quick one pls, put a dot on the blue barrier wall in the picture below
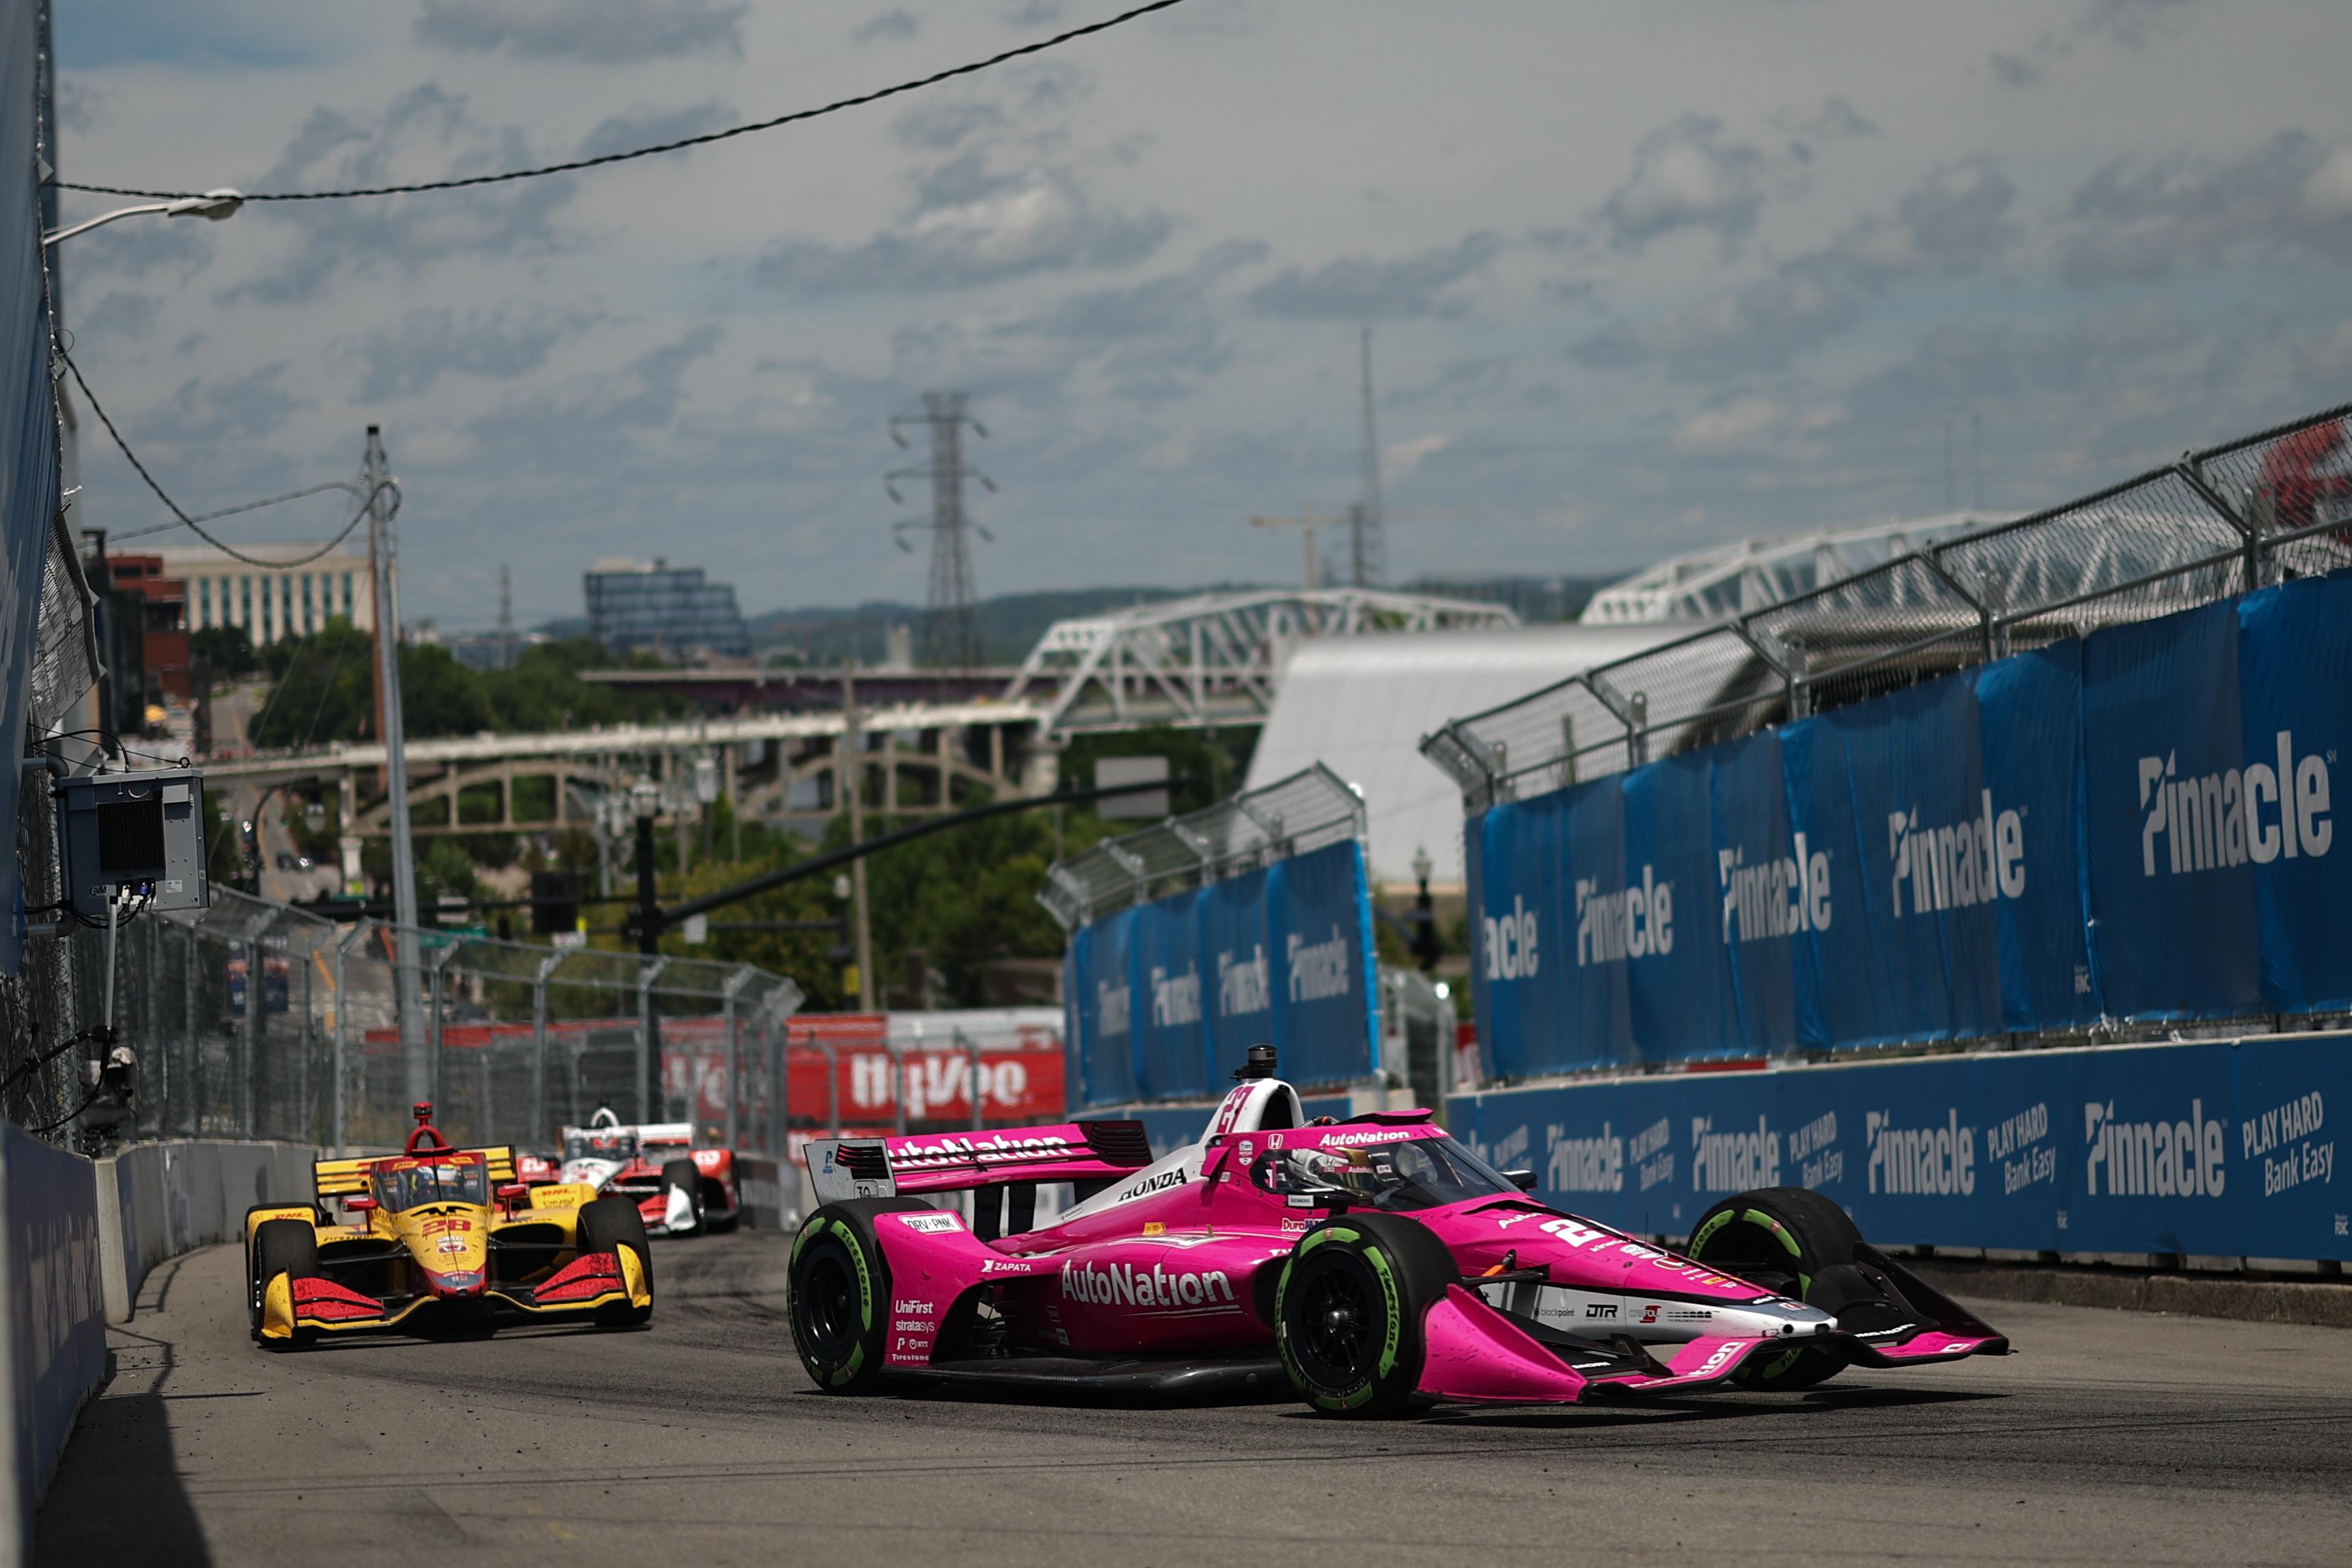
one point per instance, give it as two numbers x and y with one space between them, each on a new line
2222 1149
1163 998
28 416
2141 825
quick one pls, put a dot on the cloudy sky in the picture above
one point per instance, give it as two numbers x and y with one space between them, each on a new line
1641 277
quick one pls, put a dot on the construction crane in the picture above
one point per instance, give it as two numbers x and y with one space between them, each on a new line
1307 523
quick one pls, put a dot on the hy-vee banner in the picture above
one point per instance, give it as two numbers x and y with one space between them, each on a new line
1164 998
2139 825
2222 1149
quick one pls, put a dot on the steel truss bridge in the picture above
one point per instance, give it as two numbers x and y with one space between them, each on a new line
1213 660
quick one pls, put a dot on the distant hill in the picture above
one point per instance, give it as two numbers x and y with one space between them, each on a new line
1011 623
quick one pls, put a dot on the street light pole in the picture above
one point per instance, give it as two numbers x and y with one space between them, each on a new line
375 485
214 204
851 776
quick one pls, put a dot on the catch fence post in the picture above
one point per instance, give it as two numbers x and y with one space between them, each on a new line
972 1084
541 1123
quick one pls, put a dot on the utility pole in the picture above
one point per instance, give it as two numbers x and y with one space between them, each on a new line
506 618
1307 523
951 635
381 559
1365 522
849 774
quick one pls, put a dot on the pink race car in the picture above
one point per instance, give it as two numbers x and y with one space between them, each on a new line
1375 1263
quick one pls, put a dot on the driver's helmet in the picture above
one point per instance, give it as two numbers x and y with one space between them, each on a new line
1351 1170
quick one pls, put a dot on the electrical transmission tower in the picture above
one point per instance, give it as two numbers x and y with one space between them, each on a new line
1364 518
951 630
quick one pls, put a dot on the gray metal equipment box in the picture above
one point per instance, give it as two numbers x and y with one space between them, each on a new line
143 832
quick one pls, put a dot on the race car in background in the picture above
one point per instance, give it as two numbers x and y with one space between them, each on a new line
437 1237
1375 1263
681 1190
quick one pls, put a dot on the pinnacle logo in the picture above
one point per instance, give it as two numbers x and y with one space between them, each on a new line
1585 1165
1175 999
1777 897
2261 813
2167 1159
1124 1285
1936 1161
1241 986
1733 1162
1959 866
1317 969
1112 1009
1509 941
1633 922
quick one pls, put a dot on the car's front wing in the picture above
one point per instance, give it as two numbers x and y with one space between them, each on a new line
1476 1354
316 1304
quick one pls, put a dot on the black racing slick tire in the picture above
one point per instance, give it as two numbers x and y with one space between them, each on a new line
607 1225
1793 1240
680 1175
840 1300
288 1247
1349 1310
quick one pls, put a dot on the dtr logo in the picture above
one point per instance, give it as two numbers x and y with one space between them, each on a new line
1632 923
2168 1159
1968 863
1510 942
2226 819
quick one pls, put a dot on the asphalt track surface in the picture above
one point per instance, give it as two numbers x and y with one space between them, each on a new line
2113 1438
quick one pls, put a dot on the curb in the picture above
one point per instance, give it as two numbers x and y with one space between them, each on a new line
2245 1300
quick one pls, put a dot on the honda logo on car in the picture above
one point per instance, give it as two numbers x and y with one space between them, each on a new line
2259 814
1159 1183
1124 1285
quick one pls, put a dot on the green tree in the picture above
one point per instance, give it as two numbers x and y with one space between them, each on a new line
325 690
230 649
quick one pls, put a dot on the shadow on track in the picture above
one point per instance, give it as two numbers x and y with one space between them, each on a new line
88 1516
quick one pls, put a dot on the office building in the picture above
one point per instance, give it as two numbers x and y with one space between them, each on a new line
671 609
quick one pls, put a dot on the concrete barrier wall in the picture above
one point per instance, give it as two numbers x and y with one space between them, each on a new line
56 1352
157 1200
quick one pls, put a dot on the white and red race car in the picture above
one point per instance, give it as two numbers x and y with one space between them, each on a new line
680 1189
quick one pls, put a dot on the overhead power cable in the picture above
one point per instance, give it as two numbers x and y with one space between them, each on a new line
232 511
1040 46
197 524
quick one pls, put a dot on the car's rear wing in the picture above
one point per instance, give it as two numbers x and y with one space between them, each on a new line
843 1168
349 1178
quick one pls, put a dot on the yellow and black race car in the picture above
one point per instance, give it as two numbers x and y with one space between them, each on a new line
442 1237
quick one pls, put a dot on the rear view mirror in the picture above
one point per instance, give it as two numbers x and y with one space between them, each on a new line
513 1191
359 1205
1524 1180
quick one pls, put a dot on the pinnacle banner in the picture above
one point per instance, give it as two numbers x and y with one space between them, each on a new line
1165 999
2141 825
2220 1148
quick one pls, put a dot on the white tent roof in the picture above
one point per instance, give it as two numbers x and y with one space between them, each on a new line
1361 705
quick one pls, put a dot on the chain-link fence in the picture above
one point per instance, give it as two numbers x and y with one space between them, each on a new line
1293 816
256 1019
2246 515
